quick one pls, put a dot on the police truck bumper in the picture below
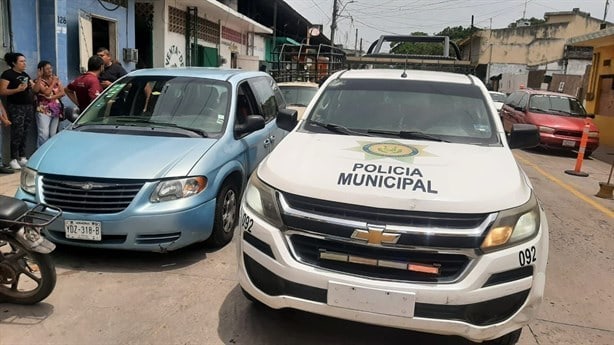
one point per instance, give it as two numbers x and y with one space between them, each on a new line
495 296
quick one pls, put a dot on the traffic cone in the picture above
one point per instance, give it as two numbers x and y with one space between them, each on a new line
577 170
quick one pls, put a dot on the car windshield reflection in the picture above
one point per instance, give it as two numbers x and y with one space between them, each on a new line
198 105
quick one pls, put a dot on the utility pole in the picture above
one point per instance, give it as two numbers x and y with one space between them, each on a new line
333 24
356 43
605 12
524 12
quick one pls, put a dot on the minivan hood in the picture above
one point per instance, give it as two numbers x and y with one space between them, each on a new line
561 122
88 154
396 173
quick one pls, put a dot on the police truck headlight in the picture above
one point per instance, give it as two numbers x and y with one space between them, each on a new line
513 226
28 180
178 188
262 200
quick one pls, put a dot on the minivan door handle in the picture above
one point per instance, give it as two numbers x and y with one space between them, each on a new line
267 142
272 139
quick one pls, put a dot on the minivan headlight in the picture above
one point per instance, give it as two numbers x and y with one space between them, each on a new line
513 226
178 188
262 200
28 180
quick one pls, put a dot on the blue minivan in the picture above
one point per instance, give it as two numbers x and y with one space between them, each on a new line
158 161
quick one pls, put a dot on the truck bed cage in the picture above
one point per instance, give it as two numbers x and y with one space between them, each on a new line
306 62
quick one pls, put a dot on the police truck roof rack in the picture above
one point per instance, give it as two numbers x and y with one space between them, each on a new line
450 59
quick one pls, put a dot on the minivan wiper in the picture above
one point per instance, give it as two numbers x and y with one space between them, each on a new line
168 124
410 135
337 128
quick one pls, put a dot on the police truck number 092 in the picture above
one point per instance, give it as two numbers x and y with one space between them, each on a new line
527 256
246 222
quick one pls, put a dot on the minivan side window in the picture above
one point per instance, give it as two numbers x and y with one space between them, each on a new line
265 97
246 104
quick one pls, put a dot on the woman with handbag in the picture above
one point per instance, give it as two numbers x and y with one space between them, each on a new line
48 103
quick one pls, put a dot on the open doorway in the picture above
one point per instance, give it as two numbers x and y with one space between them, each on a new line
143 30
95 32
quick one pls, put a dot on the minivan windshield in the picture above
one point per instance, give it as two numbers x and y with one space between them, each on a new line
557 105
411 109
198 105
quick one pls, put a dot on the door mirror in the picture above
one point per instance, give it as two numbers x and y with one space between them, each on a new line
523 136
252 123
592 116
287 119
71 113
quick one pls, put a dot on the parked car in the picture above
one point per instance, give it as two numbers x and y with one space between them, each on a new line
394 213
560 118
298 94
498 98
158 161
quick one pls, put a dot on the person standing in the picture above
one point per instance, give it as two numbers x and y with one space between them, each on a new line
48 106
18 88
113 70
4 135
86 87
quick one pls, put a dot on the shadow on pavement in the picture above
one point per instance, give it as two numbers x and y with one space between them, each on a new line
106 260
244 322
24 315
554 152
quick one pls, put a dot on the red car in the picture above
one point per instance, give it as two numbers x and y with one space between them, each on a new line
559 117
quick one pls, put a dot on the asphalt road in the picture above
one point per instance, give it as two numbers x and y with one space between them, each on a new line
192 297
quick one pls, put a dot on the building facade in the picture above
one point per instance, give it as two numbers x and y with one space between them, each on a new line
532 55
599 98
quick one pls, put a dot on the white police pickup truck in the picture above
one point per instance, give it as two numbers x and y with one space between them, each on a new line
397 201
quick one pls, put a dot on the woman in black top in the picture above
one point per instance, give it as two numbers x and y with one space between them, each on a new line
19 90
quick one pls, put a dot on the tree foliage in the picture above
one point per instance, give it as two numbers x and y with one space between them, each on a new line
456 34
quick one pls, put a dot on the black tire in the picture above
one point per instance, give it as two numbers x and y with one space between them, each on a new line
14 261
508 339
226 215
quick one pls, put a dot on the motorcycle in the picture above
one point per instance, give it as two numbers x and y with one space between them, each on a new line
27 272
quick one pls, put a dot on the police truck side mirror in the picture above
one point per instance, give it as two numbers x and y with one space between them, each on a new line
287 119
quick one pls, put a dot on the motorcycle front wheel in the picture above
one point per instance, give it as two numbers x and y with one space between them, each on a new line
25 277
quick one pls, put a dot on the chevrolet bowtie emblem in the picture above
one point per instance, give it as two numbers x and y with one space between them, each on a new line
375 236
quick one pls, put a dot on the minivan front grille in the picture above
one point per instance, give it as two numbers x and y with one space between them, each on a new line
87 195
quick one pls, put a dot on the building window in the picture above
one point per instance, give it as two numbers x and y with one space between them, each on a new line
176 20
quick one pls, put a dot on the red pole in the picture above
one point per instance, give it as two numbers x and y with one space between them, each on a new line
577 170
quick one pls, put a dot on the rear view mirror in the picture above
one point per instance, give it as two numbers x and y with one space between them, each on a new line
71 113
523 136
252 123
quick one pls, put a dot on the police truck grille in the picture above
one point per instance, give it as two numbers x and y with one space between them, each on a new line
378 262
344 238
85 195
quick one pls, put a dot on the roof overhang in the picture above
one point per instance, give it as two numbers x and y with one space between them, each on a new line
595 39
215 9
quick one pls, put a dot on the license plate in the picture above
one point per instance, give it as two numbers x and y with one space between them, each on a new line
569 143
378 301
83 230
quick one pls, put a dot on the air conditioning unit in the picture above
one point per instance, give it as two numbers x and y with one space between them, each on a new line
131 55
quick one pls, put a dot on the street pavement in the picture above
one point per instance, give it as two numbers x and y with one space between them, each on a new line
192 297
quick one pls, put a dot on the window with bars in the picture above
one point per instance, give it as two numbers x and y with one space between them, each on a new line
206 30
